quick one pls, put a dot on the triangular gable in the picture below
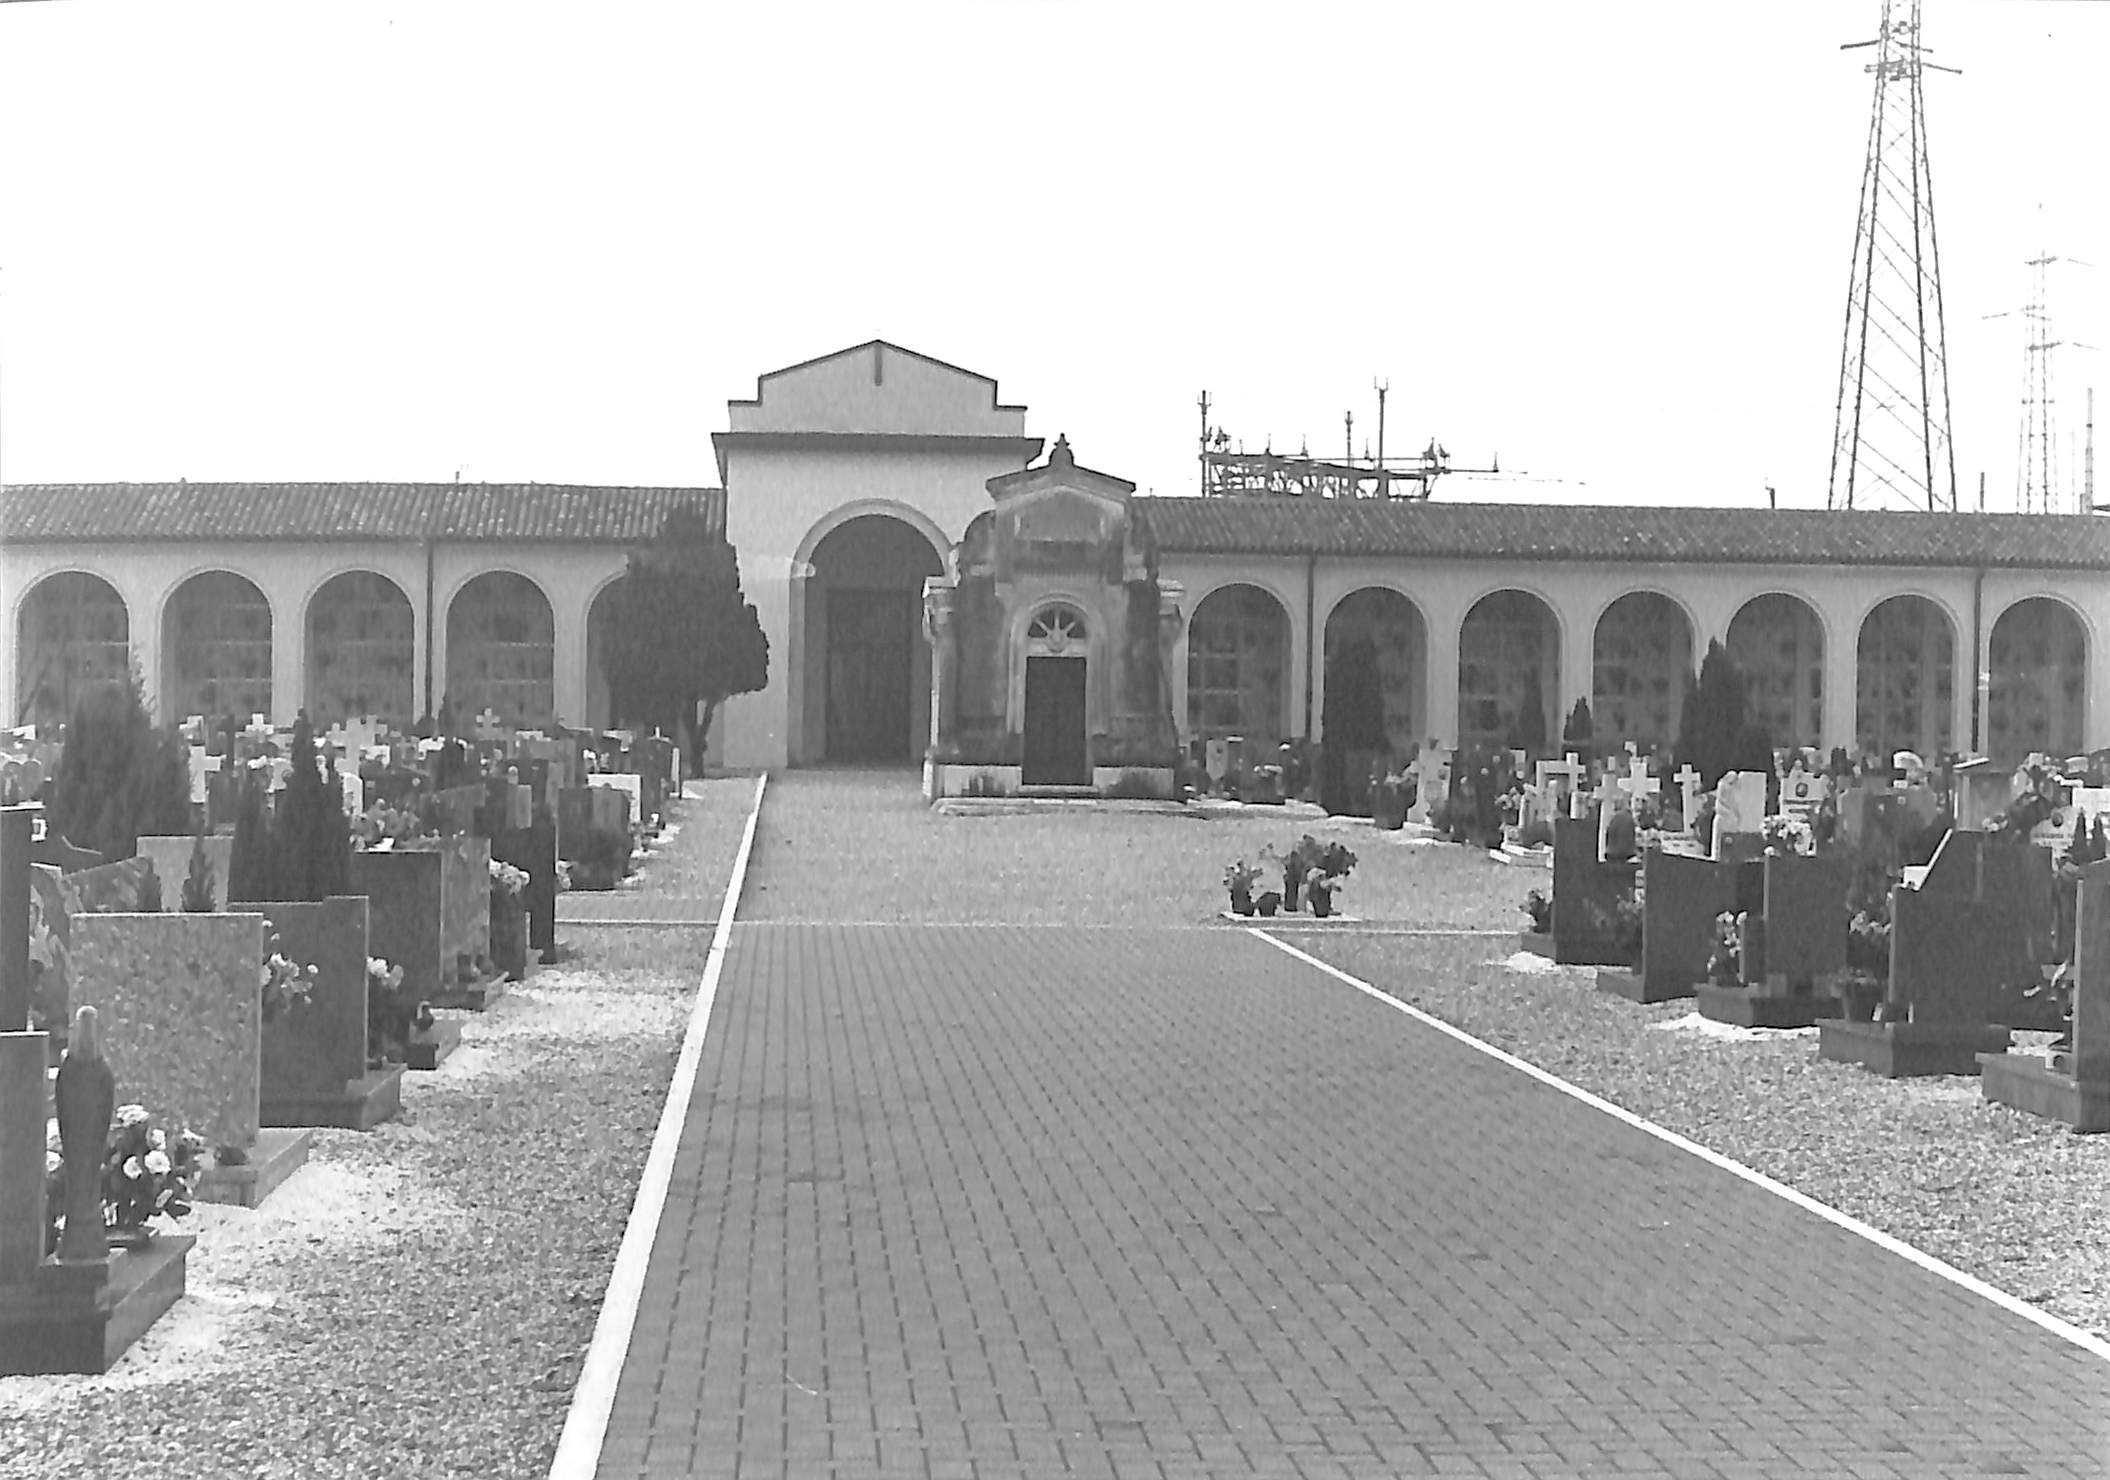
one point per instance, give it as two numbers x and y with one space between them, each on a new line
877 388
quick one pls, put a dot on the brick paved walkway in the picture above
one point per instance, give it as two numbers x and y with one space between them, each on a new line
1032 1201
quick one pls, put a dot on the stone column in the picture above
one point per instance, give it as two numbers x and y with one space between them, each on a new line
1439 682
1172 665
937 627
1842 685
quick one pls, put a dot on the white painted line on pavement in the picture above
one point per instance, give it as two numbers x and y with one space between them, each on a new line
593 1400
2065 1329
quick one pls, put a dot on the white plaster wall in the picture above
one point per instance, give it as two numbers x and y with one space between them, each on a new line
290 574
1445 591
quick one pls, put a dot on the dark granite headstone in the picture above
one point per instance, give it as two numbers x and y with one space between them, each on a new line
534 849
319 1046
1586 895
1805 916
1681 896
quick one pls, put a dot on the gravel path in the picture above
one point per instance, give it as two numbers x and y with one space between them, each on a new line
415 1301
884 854
2017 1201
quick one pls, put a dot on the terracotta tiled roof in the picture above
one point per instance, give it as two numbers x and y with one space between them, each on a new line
1434 529
66 512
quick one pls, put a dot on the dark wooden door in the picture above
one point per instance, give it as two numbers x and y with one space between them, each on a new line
869 669
1056 754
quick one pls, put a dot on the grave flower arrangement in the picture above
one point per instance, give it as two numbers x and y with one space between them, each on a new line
1325 865
146 1174
389 1013
1538 907
383 826
1785 833
1725 967
1239 878
507 880
283 981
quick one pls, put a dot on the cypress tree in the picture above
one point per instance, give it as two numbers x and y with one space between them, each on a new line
249 863
1711 733
1575 735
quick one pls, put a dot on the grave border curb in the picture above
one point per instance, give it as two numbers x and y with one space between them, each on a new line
2015 1305
578 1454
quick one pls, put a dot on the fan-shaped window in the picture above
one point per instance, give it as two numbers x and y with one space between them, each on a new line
1055 633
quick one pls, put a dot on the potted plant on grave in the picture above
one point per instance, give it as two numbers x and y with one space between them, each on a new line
1326 864
1538 908
1293 867
1867 977
509 919
1389 801
1239 878
1725 965
391 1014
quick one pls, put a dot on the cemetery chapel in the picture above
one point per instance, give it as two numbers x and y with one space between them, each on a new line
1077 632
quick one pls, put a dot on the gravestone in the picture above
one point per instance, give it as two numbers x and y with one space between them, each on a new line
429 909
1980 791
1794 945
314 1066
183 1024
2075 1089
1803 792
1680 898
1586 895
1739 813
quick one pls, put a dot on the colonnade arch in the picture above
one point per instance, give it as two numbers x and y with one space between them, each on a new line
1777 642
73 632
361 650
863 682
501 650
1376 653
1238 662
1905 678
1508 671
2037 671
1641 663
216 647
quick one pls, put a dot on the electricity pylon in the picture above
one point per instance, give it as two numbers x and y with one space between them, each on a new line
1890 439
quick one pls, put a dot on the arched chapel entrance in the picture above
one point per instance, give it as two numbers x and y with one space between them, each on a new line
866 667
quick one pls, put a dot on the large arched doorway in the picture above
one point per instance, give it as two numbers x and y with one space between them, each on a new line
2037 662
1238 668
501 652
1508 673
1905 679
1777 644
867 667
362 650
1640 665
216 648
73 634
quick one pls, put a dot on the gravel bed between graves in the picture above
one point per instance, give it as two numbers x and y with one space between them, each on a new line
417 1300
864 846
2019 1202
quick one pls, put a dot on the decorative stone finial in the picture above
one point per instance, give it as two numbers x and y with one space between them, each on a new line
1060 456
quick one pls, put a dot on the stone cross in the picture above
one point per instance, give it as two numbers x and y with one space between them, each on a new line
1689 784
258 729
202 766
488 726
362 733
1637 783
1557 779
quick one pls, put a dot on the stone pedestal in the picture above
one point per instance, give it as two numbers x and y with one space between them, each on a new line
1910 1050
81 1318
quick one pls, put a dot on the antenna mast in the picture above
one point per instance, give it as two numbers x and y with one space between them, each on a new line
1890 440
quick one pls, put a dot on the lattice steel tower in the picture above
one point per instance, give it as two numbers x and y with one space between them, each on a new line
1890 439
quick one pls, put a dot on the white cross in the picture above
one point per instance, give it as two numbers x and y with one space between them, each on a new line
1689 783
1637 783
488 726
201 767
258 728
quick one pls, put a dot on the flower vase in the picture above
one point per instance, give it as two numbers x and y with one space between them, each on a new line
1321 900
1267 904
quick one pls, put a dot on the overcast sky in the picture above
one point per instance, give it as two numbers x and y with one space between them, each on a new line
1609 243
